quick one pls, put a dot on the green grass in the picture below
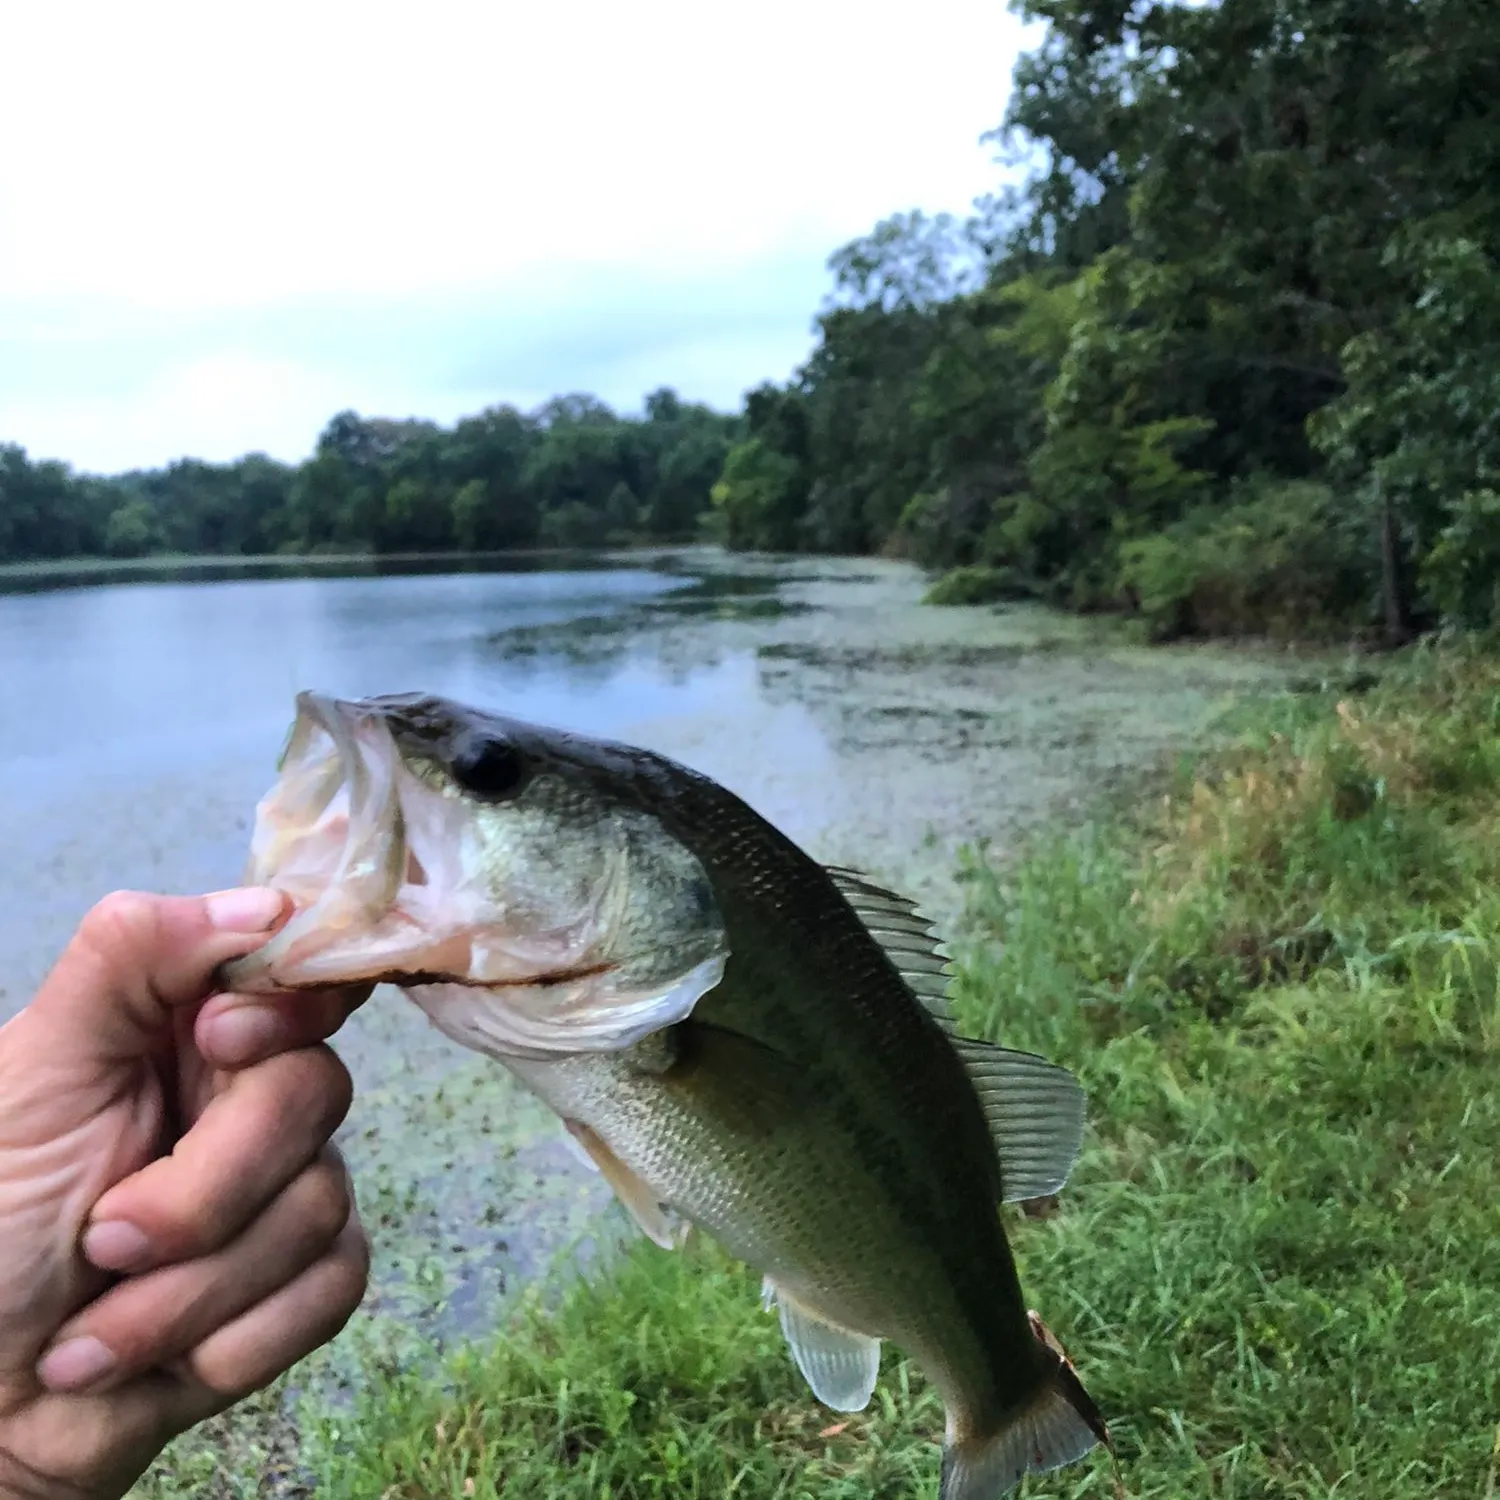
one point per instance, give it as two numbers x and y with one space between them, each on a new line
1275 1265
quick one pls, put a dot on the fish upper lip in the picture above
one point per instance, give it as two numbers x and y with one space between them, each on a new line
337 716
340 719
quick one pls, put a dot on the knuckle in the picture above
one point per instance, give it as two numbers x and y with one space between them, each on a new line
348 1277
322 1201
121 920
208 1222
335 1089
316 1084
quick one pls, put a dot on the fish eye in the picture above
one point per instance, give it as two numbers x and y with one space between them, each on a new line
488 768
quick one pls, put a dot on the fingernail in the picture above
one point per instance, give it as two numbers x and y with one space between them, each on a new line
75 1364
249 908
117 1246
243 1035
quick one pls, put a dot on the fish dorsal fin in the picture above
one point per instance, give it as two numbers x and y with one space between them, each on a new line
840 1366
638 1199
1035 1113
905 935
1034 1108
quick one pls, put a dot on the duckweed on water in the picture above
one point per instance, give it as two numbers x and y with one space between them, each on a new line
1280 983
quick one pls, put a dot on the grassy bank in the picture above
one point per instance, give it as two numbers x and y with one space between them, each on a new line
1274 1263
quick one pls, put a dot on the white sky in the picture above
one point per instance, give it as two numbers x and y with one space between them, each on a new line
221 222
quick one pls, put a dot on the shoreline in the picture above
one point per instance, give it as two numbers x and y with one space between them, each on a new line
875 730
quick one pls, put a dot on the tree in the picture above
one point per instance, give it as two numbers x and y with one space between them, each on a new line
1416 433
131 529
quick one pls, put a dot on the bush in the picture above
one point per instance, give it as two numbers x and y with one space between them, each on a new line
132 530
978 585
1282 559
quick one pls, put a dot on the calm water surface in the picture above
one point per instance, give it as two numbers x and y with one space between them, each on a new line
140 722
123 678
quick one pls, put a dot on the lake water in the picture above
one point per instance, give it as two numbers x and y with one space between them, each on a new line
129 678
139 723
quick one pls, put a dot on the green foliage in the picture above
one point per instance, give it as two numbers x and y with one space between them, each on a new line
572 474
1280 560
978 585
574 524
1418 418
470 501
1462 571
760 497
131 529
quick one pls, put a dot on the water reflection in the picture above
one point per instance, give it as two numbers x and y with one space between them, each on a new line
47 577
117 677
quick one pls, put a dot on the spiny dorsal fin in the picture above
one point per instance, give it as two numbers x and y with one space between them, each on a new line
906 936
1035 1113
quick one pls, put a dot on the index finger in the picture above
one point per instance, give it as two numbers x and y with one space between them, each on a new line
134 959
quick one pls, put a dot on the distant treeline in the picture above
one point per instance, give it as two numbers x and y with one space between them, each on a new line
1230 358
570 475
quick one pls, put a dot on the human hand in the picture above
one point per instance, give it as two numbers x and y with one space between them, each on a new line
175 1229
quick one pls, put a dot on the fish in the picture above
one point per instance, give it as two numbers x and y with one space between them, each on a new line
738 1038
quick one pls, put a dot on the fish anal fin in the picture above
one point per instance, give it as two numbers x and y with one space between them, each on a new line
1035 1112
841 1366
639 1201
1057 1427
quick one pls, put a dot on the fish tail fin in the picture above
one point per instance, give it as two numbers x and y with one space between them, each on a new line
1058 1426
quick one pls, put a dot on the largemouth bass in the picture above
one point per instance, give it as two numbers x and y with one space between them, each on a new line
734 1034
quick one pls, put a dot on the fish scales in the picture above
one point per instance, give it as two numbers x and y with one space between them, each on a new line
727 1031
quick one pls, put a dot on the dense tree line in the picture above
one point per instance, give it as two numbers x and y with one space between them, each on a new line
1230 357
573 474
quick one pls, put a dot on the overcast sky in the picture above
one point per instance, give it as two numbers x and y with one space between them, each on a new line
221 222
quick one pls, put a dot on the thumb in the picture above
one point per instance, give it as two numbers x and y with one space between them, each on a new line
135 958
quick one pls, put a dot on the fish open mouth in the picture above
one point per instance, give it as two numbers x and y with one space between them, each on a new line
389 883
331 835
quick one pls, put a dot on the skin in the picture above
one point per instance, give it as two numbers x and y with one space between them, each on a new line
178 1230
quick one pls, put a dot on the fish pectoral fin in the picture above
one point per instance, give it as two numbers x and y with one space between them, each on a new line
839 1365
1035 1113
639 1201
577 1150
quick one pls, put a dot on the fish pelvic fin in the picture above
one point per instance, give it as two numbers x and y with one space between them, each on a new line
1058 1426
840 1365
